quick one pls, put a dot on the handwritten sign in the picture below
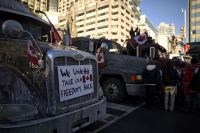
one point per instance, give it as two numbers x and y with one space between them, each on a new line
75 81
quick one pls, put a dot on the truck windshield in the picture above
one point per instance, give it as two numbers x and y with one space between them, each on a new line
112 47
39 30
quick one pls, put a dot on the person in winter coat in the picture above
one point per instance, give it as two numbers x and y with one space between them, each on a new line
191 80
170 77
151 78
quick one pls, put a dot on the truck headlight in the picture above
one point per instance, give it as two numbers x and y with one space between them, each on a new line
135 77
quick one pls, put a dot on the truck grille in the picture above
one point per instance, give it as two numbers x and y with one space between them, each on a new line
79 101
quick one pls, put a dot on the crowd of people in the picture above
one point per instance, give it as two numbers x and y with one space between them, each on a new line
174 83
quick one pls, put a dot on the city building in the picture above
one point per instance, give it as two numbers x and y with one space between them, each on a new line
112 19
35 4
164 34
52 5
146 25
194 21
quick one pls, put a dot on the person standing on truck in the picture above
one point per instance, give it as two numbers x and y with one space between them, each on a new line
151 77
170 78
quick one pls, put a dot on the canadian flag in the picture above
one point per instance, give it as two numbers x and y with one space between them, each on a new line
140 39
186 48
31 52
55 37
100 58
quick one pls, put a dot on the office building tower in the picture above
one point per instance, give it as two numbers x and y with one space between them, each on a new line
35 4
164 34
194 21
112 19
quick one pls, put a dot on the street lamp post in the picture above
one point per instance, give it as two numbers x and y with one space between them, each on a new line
184 13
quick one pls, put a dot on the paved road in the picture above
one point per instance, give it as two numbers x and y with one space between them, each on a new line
156 120
114 113
133 117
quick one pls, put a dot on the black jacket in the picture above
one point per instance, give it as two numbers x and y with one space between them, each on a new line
170 76
151 75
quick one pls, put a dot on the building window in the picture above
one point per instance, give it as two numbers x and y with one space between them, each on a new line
115 19
81 14
91 11
103 7
114 26
122 7
80 20
91 23
114 13
104 13
116 6
102 27
103 20
196 23
90 17
193 31
115 40
127 12
81 31
78 26
91 29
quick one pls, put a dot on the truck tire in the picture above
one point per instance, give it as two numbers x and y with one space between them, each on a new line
114 90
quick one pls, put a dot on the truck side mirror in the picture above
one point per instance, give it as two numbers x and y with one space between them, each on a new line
12 28
152 52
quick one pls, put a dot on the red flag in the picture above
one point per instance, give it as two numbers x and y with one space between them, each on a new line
55 37
186 48
31 52
100 58
140 39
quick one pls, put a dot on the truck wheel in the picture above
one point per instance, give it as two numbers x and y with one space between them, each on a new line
114 90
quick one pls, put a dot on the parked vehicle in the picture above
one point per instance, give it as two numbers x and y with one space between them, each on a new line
121 74
58 93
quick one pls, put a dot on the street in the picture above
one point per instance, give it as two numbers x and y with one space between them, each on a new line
133 117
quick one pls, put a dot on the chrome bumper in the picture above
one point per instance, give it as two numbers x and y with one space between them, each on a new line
135 89
64 123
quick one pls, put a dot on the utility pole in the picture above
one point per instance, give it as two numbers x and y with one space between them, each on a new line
184 13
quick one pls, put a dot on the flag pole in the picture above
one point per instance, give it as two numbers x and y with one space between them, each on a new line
38 11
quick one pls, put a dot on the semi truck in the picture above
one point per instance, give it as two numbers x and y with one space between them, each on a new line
123 66
44 87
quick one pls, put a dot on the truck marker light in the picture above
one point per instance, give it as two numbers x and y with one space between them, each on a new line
136 77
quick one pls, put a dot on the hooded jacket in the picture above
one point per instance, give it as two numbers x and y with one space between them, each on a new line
170 75
151 75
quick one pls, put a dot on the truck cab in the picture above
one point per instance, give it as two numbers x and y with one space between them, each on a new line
121 74
59 94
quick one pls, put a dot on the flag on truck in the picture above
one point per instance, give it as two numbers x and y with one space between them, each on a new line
55 37
140 39
100 59
31 52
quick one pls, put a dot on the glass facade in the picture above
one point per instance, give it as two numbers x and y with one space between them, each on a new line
194 20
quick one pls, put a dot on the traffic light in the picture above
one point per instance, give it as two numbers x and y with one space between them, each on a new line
183 33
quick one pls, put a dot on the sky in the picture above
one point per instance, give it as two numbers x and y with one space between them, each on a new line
168 11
